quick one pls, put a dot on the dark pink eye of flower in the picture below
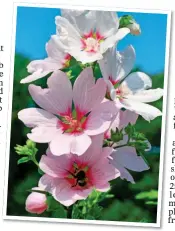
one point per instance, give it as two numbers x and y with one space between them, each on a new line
67 59
73 125
91 42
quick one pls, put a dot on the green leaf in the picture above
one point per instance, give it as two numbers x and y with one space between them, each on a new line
89 217
151 202
116 136
60 213
76 213
95 211
53 205
151 195
23 160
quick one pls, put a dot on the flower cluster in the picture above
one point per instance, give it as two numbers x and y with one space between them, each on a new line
87 121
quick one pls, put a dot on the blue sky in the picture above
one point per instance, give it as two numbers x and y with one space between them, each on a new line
36 25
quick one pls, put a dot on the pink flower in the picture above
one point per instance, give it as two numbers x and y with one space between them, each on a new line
67 129
126 158
36 202
56 60
122 120
70 177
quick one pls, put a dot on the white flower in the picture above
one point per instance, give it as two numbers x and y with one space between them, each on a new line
57 59
131 91
88 34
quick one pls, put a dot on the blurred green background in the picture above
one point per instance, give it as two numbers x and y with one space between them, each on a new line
126 205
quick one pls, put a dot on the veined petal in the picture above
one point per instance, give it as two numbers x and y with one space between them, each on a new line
128 158
55 166
113 39
107 23
100 118
108 64
87 94
79 19
38 74
124 62
124 173
32 117
93 153
70 143
55 49
147 96
123 118
59 188
147 111
71 36
56 99
135 82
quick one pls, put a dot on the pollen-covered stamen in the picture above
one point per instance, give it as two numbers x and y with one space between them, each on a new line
72 125
91 42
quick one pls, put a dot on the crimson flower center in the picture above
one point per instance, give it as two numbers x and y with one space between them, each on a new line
91 42
73 125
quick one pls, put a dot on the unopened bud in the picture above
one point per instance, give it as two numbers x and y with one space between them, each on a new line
134 28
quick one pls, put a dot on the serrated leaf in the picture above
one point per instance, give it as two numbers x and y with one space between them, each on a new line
23 160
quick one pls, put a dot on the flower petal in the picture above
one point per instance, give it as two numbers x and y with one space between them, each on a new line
125 62
136 81
147 96
107 23
79 18
94 152
123 118
124 173
44 123
87 94
56 99
70 143
128 158
56 50
100 118
55 166
72 38
112 40
147 111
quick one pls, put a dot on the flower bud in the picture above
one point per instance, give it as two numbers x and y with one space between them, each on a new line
134 28
36 202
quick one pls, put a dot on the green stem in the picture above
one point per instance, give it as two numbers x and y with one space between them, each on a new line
35 161
69 211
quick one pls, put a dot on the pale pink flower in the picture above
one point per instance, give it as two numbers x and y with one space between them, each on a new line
67 129
57 59
126 158
70 177
129 91
89 34
36 202
122 120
